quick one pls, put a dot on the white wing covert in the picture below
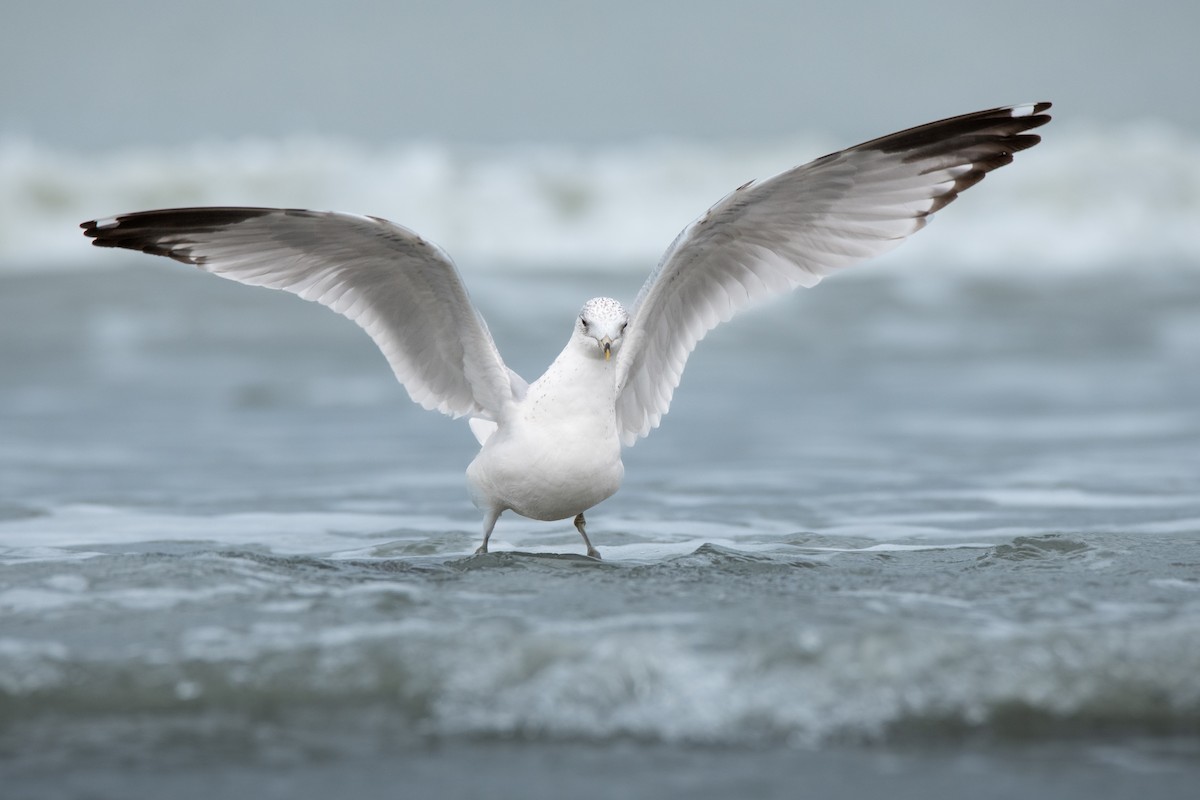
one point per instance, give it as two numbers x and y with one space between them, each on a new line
402 290
791 230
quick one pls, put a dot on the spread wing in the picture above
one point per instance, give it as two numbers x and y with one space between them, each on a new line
402 290
791 230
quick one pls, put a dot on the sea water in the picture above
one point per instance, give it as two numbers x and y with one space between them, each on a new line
931 528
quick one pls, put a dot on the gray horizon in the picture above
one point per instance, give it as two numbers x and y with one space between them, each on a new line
129 74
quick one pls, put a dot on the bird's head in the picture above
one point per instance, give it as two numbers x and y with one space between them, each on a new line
601 326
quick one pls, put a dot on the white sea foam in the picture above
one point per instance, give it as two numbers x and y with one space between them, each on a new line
1082 198
71 530
657 681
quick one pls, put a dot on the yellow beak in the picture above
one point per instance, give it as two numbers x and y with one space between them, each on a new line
606 342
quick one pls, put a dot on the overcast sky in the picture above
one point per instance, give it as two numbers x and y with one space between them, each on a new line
105 74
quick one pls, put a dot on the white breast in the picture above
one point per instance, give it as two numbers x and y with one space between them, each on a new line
558 453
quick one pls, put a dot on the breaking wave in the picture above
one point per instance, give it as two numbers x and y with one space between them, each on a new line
673 677
1085 197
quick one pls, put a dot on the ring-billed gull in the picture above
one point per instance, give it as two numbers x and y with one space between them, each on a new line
551 450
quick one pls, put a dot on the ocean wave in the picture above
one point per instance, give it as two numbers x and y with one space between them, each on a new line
670 678
1085 197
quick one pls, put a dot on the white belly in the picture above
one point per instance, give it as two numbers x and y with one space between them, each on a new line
545 472
556 452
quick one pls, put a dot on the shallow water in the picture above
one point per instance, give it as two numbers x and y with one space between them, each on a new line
907 535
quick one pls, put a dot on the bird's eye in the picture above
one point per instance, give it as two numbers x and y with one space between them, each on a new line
624 325
584 323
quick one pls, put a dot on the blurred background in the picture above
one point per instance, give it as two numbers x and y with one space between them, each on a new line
135 73
541 133
945 501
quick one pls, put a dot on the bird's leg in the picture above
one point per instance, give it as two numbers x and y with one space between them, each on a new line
579 523
489 522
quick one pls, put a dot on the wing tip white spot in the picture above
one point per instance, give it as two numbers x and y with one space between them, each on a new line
1027 109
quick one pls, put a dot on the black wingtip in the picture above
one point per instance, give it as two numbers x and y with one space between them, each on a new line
95 229
145 231
1006 124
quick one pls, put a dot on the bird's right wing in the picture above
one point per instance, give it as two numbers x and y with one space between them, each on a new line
402 290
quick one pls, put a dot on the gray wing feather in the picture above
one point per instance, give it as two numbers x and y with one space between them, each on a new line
791 230
402 290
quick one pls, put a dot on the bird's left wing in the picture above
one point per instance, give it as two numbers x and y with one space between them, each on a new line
402 290
791 230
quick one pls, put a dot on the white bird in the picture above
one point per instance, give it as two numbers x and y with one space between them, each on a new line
551 450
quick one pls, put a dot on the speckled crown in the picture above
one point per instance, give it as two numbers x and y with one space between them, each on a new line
603 309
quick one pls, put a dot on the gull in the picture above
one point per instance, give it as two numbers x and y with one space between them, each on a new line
551 449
